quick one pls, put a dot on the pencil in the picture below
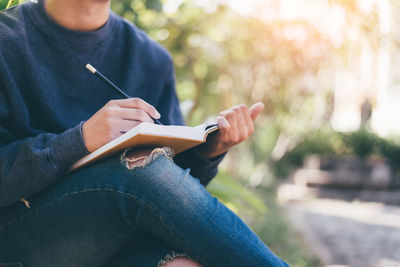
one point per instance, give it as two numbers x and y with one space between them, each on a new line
112 85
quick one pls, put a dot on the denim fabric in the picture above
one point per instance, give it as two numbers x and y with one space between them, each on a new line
108 215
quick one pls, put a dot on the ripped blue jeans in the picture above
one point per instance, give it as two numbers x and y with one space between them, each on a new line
109 214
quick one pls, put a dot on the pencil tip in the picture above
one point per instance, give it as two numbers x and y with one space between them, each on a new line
91 68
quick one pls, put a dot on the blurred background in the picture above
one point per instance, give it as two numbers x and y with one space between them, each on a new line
319 179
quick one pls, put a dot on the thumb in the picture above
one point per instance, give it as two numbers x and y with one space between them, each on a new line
255 110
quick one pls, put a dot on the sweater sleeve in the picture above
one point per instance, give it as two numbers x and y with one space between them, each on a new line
29 165
202 168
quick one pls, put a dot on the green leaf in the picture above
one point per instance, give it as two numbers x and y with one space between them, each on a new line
3 4
230 191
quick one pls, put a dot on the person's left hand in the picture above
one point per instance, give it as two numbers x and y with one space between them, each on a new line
235 126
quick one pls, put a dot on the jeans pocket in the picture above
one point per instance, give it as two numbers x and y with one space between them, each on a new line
11 264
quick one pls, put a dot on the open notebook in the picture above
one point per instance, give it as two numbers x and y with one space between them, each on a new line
179 138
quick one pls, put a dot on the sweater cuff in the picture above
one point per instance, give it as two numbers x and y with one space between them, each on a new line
67 148
202 168
206 162
194 160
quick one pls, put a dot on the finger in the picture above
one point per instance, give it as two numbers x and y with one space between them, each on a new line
255 110
223 126
248 120
134 114
140 104
223 115
127 125
233 129
242 125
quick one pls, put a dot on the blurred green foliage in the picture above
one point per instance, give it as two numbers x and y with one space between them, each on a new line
223 59
235 195
4 4
325 142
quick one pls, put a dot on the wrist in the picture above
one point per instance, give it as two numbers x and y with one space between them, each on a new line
208 153
82 138
85 137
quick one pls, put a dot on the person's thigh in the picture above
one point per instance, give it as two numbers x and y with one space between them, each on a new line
78 221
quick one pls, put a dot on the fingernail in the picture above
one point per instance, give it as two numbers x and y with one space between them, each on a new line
158 115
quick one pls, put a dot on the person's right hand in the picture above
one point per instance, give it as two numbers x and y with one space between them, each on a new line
115 117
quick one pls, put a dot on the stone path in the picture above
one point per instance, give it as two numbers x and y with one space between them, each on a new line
354 234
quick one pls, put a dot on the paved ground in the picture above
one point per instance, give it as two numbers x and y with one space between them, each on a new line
343 233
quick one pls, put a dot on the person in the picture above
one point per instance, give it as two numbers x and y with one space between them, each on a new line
53 112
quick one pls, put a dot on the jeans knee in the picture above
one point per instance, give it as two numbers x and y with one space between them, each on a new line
160 179
140 158
152 167
155 167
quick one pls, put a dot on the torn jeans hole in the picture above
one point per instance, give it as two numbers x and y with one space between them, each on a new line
140 157
170 257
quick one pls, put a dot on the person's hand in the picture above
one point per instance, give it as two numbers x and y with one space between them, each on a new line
116 117
235 126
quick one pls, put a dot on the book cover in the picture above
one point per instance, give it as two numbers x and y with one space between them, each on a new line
179 138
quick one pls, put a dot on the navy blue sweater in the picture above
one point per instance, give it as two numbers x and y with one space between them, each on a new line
46 94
